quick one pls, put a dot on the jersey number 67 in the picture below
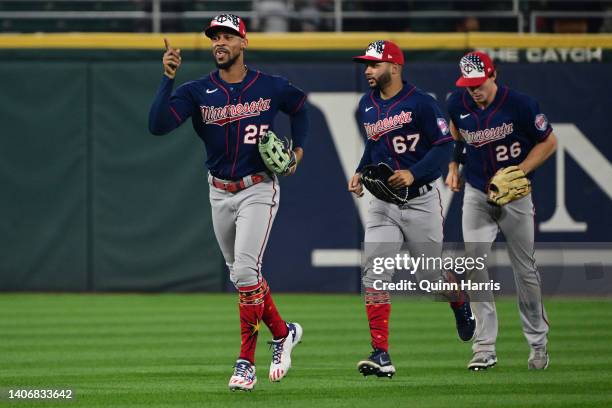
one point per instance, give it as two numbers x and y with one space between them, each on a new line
401 143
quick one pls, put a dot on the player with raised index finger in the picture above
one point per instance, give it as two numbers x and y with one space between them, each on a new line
408 141
505 137
232 110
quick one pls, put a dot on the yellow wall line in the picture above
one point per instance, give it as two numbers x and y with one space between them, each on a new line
306 41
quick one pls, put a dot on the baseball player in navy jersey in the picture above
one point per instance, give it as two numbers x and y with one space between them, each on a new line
406 130
230 110
501 130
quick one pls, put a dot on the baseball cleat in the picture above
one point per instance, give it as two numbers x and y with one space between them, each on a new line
244 378
482 360
281 352
379 364
538 359
465 321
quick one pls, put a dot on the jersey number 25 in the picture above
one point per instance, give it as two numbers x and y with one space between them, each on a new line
403 143
251 132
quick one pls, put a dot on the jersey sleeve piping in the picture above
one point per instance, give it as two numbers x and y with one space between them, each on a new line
176 115
546 134
299 105
443 140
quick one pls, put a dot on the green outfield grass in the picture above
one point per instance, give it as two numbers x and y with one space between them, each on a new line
178 350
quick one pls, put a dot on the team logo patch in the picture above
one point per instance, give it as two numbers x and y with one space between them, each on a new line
472 66
541 122
443 126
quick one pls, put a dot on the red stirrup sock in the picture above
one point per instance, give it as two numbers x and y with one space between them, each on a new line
272 318
251 307
378 309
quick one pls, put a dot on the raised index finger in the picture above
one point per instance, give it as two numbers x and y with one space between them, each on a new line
167 44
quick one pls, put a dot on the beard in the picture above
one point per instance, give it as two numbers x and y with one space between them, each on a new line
228 63
382 81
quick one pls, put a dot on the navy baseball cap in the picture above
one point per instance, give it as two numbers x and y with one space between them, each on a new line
229 22
475 67
382 51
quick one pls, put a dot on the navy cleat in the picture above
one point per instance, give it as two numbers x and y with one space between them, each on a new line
465 321
379 364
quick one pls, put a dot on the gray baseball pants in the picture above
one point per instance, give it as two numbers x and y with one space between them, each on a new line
418 225
242 222
481 223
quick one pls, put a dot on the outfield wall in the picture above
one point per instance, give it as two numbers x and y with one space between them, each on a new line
91 202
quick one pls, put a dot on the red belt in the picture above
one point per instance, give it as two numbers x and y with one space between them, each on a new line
235 186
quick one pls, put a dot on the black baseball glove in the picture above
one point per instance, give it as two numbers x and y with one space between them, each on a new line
374 177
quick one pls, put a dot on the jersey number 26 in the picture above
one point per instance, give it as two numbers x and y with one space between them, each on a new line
502 151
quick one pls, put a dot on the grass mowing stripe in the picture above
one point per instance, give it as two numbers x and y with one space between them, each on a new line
177 350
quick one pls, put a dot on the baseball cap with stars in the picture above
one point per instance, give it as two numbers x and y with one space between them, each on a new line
382 51
229 22
475 67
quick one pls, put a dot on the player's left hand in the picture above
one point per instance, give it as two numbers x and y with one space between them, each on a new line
299 153
355 185
171 59
454 180
401 178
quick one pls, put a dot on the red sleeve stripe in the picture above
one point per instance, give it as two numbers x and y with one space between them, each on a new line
176 115
546 134
299 105
443 140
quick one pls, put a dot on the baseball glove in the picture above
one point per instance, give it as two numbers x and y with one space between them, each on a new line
276 154
508 184
374 178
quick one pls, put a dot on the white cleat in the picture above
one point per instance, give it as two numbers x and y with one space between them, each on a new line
281 352
244 378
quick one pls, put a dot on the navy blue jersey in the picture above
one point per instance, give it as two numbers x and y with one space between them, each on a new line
499 136
402 130
230 118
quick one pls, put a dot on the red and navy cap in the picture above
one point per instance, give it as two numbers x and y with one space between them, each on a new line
476 67
226 21
382 51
